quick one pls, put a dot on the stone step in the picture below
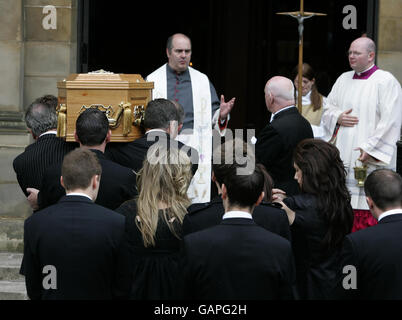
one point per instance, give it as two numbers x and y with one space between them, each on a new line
10 264
13 290
12 284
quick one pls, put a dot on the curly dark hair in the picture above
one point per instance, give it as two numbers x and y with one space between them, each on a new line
324 176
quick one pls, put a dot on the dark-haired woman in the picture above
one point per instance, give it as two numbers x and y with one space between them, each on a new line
320 217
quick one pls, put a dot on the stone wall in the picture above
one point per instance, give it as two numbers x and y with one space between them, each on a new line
33 57
389 54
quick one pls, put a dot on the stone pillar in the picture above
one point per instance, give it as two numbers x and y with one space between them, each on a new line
38 47
390 48
389 54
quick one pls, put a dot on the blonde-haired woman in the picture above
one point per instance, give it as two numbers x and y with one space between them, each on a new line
149 256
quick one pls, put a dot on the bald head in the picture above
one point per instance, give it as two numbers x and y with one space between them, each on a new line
366 43
362 54
279 93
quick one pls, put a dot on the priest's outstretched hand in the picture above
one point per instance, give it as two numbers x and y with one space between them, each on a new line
226 107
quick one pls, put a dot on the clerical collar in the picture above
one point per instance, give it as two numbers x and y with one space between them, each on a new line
365 74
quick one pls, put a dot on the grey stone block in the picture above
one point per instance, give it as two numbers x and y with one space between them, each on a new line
10 264
10 20
47 59
34 30
12 235
10 65
13 290
39 86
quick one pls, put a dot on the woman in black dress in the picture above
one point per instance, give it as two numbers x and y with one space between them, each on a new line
320 217
149 256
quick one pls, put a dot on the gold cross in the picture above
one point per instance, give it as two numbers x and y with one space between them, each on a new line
301 16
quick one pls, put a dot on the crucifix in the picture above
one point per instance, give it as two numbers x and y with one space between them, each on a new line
301 16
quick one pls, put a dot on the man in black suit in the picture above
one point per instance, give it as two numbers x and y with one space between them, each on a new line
238 259
204 215
277 141
371 258
118 183
70 248
162 123
47 150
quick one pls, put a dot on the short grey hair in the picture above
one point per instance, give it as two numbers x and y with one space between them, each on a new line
40 118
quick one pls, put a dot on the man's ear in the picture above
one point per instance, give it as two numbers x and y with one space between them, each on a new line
95 181
370 203
167 53
372 56
224 192
33 136
260 198
108 136
76 137
62 182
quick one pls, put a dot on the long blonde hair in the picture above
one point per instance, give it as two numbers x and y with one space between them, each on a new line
164 178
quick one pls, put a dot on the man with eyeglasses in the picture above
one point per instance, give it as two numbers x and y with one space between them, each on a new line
364 109
178 82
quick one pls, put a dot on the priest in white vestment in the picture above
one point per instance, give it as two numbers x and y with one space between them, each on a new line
364 108
204 113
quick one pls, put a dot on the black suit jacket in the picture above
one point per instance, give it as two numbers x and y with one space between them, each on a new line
80 239
132 154
204 215
117 184
237 260
31 165
376 253
275 146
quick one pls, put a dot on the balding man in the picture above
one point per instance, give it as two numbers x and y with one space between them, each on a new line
365 108
287 127
192 89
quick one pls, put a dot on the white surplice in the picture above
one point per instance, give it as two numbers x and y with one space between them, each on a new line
377 102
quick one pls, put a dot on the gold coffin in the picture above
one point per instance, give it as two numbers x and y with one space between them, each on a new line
123 97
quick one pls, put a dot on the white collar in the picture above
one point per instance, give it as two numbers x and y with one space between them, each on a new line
389 213
237 214
359 73
279 111
78 194
306 100
49 132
